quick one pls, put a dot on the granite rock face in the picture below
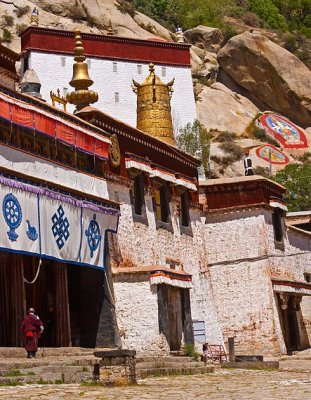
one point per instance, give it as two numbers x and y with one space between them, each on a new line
218 108
205 37
271 73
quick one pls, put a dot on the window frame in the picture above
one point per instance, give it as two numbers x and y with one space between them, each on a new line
139 185
278 230
161 207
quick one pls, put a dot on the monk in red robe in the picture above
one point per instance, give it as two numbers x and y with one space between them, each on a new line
32 328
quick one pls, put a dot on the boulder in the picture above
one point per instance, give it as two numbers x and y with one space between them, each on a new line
205 37
218 108
269 72
204 65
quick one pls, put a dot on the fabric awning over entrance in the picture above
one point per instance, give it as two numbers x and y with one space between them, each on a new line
183 281
284 286
51 224
159 275
32 117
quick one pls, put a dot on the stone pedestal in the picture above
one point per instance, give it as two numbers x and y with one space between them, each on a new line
116 367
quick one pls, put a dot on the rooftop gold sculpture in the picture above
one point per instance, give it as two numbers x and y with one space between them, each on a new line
57 98
80 81
154 108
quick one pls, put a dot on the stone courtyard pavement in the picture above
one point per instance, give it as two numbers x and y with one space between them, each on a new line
293 382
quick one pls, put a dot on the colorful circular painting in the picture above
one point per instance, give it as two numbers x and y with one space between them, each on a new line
267 152
283 130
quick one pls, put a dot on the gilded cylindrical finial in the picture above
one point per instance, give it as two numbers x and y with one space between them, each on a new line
154 108
81 81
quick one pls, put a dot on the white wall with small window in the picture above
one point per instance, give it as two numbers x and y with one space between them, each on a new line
112 77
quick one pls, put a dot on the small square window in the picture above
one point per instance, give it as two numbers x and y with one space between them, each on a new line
63 61
115 67
139 69
163 71
307 277
116 97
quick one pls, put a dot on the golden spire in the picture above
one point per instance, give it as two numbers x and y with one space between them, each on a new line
154 108
81 81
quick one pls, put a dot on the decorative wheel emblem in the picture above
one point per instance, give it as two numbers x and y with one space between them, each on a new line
12 213
93 235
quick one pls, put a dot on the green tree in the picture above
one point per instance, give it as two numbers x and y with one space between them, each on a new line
297 180
194 139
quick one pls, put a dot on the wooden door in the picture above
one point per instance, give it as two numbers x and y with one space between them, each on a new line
174 318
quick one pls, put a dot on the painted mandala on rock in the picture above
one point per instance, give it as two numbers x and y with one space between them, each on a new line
283 130
277 157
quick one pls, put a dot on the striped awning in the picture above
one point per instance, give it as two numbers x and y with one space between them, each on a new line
183 281
46 122
283 286
155 171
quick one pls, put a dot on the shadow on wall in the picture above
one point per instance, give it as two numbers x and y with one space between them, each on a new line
299 240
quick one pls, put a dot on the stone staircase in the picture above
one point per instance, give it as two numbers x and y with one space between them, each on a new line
75 365
170 365
57 365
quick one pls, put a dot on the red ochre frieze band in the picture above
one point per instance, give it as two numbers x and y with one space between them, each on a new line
109 47
31 117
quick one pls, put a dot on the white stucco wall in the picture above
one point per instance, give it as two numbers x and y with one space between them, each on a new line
55 72
146 246
231 257
242 258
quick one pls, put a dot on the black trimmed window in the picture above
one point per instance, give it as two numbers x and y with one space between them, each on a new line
184 209
161 204
139 194
278 226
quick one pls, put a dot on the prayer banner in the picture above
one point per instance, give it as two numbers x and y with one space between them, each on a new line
39 221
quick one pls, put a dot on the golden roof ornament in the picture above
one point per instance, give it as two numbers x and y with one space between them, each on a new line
82 96
57 98
154 108
110 31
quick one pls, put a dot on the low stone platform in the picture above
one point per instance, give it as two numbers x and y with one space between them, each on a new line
170 365
252 365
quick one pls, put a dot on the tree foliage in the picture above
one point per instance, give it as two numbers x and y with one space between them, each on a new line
297 180
194 139
283 15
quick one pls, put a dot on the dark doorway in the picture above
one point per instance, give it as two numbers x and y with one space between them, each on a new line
174 315
68 299
288 306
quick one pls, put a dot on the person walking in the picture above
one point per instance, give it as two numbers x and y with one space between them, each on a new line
32 328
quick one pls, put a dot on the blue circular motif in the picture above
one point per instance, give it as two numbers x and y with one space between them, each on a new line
93 235
12 211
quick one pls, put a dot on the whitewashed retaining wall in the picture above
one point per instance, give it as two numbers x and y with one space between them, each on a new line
55 72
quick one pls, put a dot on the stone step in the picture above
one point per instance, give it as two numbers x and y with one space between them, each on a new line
164 359
9 364
167 364
49 377
149 372
18 352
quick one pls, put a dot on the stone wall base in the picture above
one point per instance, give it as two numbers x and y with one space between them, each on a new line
116 367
